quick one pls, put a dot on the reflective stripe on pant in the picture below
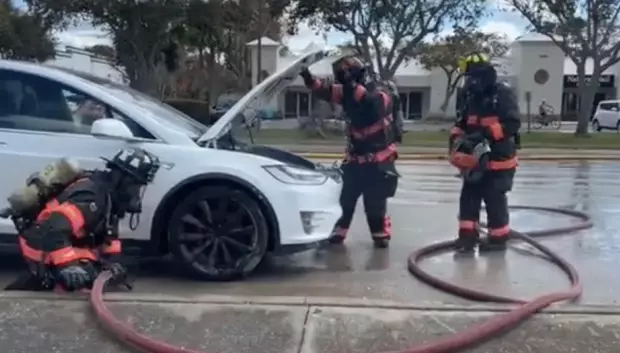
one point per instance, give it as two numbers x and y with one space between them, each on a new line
59 257
492 190
363 180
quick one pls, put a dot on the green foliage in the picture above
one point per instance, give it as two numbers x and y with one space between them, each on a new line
149 36
392 29
196 109
584 30
142 31
446 52
24 35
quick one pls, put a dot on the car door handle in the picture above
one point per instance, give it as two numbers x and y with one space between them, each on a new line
3 143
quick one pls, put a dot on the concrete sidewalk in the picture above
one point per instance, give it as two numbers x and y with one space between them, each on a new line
34 325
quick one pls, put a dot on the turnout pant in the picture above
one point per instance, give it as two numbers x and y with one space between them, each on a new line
375 182
491 189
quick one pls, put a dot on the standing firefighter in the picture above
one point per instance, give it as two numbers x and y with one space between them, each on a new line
482 146
369 165
67 219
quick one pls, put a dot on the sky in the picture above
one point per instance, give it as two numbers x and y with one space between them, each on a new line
500 20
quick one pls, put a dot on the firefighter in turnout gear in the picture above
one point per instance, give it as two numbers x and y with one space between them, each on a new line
72 235
483 148
369 164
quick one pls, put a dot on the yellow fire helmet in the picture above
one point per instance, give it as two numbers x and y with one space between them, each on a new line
465 63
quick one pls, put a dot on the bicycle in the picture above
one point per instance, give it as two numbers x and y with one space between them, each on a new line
550 119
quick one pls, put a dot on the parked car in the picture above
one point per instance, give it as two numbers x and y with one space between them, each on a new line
607 116
219 202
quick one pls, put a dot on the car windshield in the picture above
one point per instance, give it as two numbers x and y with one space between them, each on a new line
162 112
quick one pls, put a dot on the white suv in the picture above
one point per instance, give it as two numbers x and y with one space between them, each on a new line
218 203
607 116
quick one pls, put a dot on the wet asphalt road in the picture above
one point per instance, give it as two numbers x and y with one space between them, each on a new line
424 211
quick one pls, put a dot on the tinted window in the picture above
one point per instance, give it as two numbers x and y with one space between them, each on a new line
30 102
608 106
164 113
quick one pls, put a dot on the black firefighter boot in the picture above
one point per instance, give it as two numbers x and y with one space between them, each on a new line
338 235
467 241
382 239
494 243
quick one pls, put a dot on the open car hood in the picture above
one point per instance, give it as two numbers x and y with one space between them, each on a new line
261 95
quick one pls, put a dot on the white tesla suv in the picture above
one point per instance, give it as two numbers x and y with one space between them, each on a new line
219 203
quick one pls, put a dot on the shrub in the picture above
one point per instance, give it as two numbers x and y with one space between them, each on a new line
196 109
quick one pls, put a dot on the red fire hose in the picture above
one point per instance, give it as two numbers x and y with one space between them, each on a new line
464 339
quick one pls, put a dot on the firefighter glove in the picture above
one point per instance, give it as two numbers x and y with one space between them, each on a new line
75 277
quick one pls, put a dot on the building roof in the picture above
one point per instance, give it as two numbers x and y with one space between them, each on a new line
265 41
532 37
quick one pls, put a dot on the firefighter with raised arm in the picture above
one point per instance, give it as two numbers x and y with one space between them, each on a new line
67 219
483 148
369 164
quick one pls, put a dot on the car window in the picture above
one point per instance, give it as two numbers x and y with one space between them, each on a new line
30 102
604 106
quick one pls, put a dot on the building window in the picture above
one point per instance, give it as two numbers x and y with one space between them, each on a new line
570 102
403 103
304 104
415 105
541 76
297 104
290 105
411 104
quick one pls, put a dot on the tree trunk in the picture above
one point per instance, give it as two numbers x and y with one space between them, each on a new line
212 77
587 90
446 101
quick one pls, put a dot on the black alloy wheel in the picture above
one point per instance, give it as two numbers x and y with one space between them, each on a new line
218 233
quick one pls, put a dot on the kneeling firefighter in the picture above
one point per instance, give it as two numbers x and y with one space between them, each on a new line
483 147
369 165
67 219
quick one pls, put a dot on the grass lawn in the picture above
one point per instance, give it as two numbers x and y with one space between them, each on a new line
440 138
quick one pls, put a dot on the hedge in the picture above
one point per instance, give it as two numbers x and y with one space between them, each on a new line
197 109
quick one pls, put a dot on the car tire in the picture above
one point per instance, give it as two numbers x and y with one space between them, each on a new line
596 126
618 127
218 233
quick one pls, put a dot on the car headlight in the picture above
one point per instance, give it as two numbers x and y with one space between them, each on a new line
294 175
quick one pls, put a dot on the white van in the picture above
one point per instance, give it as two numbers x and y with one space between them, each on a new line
607 116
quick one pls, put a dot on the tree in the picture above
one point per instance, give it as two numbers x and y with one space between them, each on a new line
218 31
142 32
392 28
584 30
24 35
447 50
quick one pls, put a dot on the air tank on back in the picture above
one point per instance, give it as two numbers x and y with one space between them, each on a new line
42 185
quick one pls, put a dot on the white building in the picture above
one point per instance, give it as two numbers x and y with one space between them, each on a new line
534 64
85 61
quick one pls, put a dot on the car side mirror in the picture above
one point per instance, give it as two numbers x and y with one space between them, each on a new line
614 109
111 128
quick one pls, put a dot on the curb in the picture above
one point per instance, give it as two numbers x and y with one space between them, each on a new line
288 301
442 157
